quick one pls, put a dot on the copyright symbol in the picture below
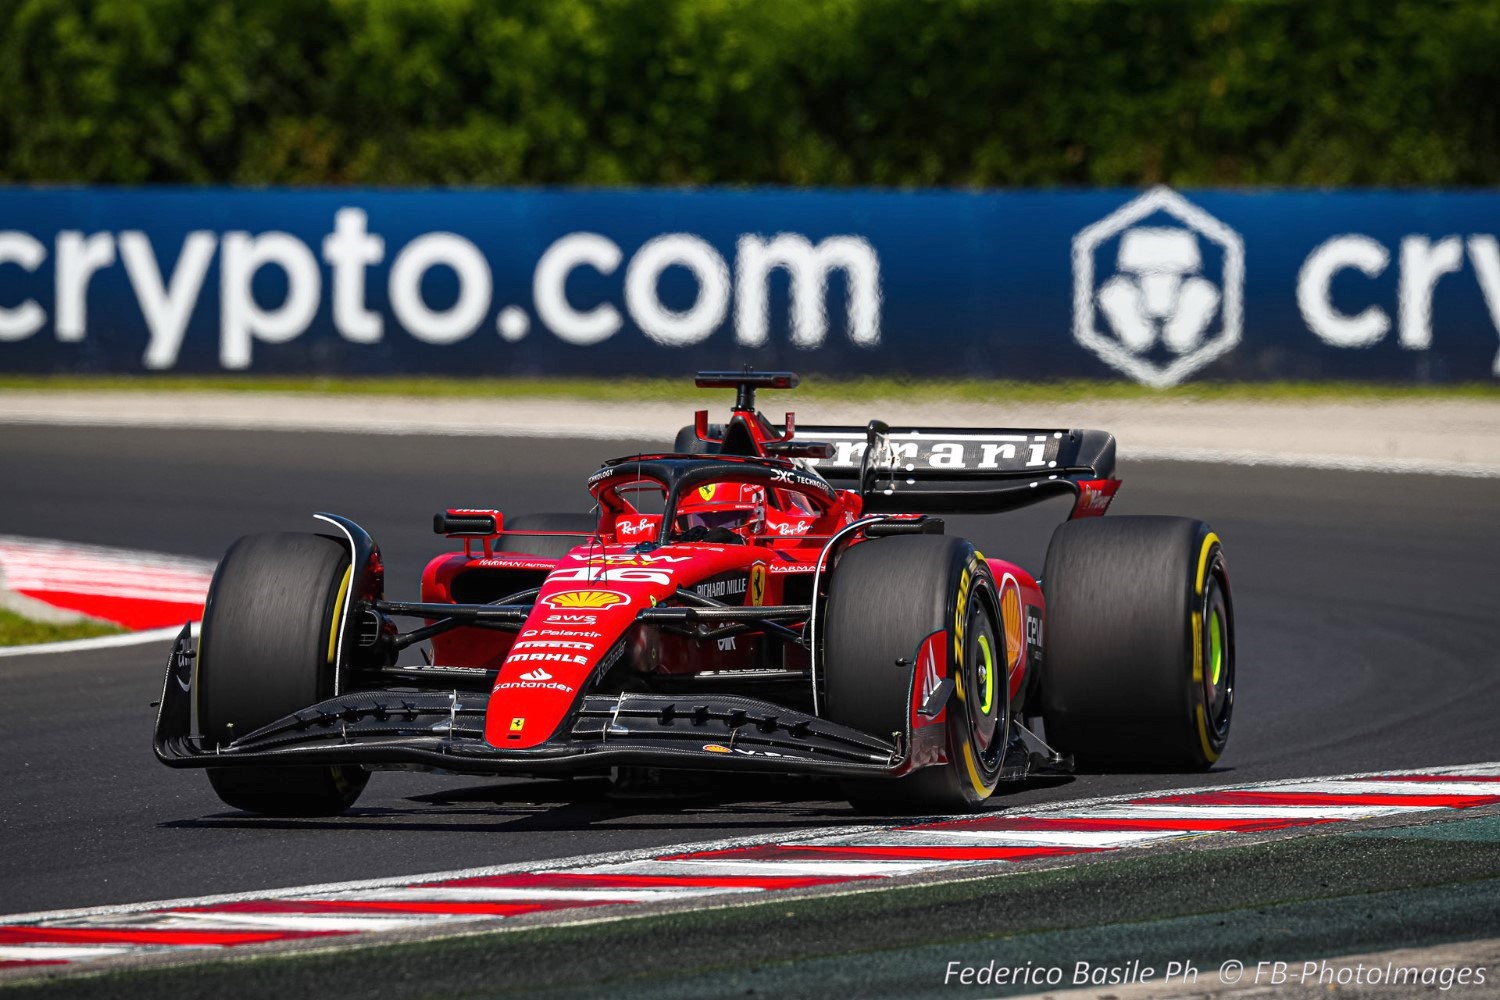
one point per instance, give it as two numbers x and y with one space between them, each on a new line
1231 971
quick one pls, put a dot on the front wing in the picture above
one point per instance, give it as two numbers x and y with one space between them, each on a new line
445 731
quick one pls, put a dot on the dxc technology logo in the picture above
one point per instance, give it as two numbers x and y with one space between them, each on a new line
1158 288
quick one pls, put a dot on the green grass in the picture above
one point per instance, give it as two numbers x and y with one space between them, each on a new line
18 631
814 388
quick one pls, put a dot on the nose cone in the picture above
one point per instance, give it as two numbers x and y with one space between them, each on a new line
573 636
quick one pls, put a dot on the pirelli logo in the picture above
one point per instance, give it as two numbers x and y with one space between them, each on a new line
935 451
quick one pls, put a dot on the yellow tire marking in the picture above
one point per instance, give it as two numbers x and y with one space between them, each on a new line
974 779
338 613
1209 541
1208 751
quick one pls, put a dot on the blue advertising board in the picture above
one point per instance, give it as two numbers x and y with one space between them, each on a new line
1157 286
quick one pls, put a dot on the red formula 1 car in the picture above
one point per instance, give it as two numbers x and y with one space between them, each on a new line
766 598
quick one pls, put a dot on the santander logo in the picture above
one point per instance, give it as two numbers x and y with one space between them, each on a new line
538 679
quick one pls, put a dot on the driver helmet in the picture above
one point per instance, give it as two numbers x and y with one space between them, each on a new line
736 507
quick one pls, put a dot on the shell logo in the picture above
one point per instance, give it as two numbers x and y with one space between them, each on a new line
1010 618
586 599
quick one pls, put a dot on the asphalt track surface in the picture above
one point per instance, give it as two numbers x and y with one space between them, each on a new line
1366 606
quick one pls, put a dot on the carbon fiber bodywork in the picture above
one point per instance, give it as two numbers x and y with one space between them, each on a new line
445 731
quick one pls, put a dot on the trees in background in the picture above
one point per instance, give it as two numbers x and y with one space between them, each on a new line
799 92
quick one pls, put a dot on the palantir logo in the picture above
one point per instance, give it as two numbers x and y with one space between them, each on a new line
1158 288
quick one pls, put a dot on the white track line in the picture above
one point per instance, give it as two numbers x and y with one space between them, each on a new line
42 565
1186 811
595 432
596 862
103 642
859 858
629 862
477 894
1037 838
1333 463
333 921
61 952
391 428
1353 787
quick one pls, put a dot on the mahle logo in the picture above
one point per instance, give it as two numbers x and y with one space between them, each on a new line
1158 288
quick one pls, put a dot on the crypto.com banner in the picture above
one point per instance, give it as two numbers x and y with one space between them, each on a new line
1158 286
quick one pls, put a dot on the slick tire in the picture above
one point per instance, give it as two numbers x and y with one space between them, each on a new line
1138 667
885 598
538 545
267 649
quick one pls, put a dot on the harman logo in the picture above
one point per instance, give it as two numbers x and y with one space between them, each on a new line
1161 300
573 599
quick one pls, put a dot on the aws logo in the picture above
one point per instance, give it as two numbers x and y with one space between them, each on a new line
593 599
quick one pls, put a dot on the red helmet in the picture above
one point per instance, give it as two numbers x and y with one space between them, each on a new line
737 507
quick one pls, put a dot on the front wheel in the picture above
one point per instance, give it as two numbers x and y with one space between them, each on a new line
885 598
267 648
1139 666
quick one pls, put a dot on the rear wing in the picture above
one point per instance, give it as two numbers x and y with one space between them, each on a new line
959 470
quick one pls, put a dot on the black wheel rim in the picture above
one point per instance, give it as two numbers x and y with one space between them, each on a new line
985 671
984 727
1218 661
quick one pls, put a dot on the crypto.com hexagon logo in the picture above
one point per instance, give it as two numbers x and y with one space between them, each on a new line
1174 297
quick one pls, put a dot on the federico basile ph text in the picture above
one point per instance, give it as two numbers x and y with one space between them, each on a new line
168 281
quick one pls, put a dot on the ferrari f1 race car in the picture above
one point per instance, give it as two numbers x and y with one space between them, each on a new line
765 598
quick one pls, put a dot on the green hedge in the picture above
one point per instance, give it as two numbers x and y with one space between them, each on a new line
823 92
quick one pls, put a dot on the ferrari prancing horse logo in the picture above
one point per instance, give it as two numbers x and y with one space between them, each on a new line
758 584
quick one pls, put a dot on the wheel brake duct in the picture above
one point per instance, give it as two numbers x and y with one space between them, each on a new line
364 560
938 699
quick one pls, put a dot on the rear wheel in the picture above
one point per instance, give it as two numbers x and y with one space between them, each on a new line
886 597
553 547
1139 663
267 649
